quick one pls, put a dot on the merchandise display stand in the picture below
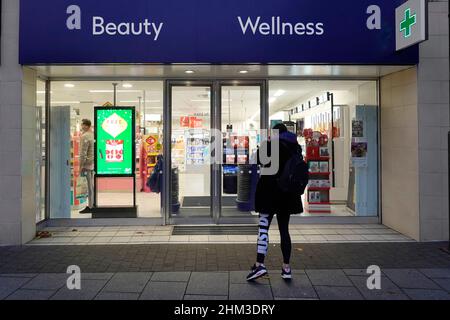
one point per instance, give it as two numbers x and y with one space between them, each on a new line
317 158
148 159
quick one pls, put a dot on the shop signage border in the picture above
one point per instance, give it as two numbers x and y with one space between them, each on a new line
213 32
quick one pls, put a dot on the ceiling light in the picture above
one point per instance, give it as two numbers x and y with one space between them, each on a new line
272 100
279 93
65 102
137 101
243 71
189 71
127 85
111 91
69 85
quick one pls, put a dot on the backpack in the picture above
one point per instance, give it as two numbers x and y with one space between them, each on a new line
295 174
154 182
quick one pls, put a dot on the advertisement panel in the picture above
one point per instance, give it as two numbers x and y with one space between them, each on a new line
115 145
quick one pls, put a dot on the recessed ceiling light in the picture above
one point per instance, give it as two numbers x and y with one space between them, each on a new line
127 85
69 85
243 71
189 71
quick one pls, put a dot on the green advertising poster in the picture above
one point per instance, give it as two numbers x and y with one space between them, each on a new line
114 130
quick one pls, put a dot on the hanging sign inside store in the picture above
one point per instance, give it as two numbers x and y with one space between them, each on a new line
114 136
204 31
411 19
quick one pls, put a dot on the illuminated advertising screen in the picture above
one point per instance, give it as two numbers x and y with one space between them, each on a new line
115 145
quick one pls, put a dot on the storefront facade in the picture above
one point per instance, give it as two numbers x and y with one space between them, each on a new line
380 116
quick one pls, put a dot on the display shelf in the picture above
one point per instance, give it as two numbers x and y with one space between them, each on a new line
319 158
319 203
149 157
318 190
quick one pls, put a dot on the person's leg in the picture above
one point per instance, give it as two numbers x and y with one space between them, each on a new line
90 183
286 245
265 219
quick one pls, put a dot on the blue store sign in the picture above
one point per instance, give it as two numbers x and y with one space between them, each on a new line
210 31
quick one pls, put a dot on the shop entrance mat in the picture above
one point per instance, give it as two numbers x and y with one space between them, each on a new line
205 201
214 230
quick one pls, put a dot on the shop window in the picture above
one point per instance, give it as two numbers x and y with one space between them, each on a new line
73 101
336 123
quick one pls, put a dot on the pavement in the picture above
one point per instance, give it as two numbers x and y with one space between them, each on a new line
207 271
300 233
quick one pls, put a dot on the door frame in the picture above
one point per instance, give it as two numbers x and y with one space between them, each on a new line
216 124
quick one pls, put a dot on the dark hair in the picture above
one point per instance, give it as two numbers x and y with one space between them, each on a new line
280 127
86 122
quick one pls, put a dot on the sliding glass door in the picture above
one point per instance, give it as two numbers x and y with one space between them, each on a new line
214 134
190 164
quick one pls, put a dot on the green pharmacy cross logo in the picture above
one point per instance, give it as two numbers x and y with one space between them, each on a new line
406 25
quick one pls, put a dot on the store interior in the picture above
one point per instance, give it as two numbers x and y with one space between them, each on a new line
343 161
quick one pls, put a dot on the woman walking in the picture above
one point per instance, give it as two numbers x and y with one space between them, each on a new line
270 199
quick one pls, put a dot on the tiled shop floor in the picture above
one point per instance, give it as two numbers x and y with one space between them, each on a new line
335 233
337 284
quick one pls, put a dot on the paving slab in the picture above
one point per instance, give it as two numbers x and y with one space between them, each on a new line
205 298
443 283
298 287
356 272
25 294
9 285
171 276
97 276
427 294
338 293
208 283
163 291
18 275
410 279
128 282
250 291
240 277
388 291
436 273
331 277
47 281
89 289
117 296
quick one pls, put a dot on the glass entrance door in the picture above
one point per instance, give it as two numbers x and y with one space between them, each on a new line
190 186
240 123
214 134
